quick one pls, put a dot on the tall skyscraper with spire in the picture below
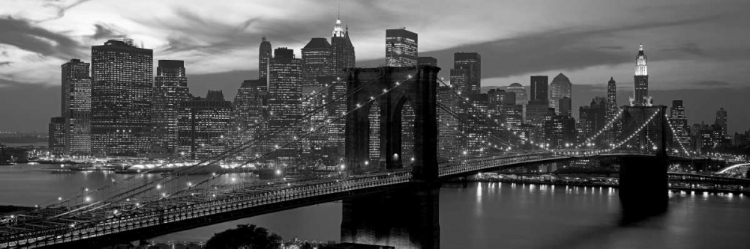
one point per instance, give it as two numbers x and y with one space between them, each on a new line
264 56
640 90
342 49
342 52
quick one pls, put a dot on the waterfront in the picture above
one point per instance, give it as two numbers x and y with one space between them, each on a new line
482 215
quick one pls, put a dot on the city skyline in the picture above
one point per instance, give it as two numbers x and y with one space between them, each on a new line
661 58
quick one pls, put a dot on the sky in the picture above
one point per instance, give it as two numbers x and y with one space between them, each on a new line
698 50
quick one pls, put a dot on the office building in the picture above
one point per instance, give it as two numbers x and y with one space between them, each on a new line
560 131
721 121
472 63
539 89
317 61
76 107
566 106
558 89
248 116
401 48
459 80
679 123
170 88
284 102
56 140
520 91
202 123
121 96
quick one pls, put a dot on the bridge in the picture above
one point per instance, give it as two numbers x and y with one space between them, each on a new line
138 208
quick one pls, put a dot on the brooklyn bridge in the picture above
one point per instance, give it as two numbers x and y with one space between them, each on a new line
392 195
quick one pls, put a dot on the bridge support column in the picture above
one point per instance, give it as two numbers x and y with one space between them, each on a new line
407 219
643 187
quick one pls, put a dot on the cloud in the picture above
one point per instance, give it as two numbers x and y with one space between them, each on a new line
712 83
26 36
104 31
61 7
5 63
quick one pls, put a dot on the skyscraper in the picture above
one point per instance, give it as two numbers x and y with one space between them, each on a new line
400 48
201 124
566 106
472 63
593 118
721 121
121 93
459 80
559 88
76 107
342 49
264 56
170 88
56 140
679 123
249 113
316 61
520 91
284 100
640 89
612 110
539 89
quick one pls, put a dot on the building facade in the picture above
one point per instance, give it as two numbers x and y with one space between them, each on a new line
472 63
539 89
76 107
56 141
558 89
317 61
721 120
202 123
679 123
401 48
121 96
284 102
170 88
520 91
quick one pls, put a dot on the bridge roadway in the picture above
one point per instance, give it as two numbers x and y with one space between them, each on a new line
191 211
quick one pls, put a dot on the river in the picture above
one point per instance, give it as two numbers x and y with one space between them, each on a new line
482 215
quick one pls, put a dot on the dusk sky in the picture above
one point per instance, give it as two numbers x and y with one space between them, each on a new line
698 50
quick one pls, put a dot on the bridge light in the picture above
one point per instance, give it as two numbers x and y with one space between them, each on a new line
278 172
158 186
88 199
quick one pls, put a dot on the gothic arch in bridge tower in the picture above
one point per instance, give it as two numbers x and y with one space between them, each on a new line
406 86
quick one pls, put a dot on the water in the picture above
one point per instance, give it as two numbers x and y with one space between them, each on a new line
483 215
